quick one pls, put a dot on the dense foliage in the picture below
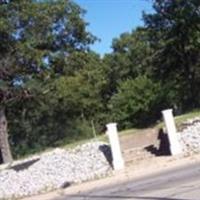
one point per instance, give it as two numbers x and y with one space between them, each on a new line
55 90
137 102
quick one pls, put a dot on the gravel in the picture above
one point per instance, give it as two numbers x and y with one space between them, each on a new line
55 169
190 136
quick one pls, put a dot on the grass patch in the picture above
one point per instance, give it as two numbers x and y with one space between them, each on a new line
178 121
102 138
129 131
181 118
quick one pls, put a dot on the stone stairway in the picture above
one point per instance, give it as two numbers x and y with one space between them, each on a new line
135 155
138 147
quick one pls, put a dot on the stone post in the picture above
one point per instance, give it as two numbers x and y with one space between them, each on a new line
118 162
175 146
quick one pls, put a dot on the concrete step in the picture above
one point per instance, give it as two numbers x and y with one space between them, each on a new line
140 138
136 154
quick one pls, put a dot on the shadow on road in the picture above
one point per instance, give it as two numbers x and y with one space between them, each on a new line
122 197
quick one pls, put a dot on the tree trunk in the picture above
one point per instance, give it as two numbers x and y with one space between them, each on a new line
4 144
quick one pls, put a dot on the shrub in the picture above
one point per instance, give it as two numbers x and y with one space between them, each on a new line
137 103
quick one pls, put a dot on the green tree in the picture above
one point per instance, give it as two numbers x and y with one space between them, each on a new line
137 103
81 93
128 60
67 112
174 35
35 37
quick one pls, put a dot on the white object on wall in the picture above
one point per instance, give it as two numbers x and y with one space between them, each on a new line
175 146
118 162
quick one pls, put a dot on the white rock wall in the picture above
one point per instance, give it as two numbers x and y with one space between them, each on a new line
55 169
190 136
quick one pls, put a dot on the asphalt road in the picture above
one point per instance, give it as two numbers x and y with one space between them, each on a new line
178 184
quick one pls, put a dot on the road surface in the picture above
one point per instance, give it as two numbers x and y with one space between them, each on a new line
177 184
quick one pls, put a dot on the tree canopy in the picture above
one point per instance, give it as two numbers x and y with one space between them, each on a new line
36 39
54 89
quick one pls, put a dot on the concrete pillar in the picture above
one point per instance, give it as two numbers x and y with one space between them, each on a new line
118 162
175 146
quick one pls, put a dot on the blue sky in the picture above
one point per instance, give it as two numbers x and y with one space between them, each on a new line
109 18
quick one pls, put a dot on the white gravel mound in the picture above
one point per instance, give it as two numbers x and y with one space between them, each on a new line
190 136
56 169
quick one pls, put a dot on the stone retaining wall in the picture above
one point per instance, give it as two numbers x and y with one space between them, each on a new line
56 169
189 136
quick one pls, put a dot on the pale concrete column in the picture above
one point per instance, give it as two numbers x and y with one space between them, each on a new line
175 146
118 162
